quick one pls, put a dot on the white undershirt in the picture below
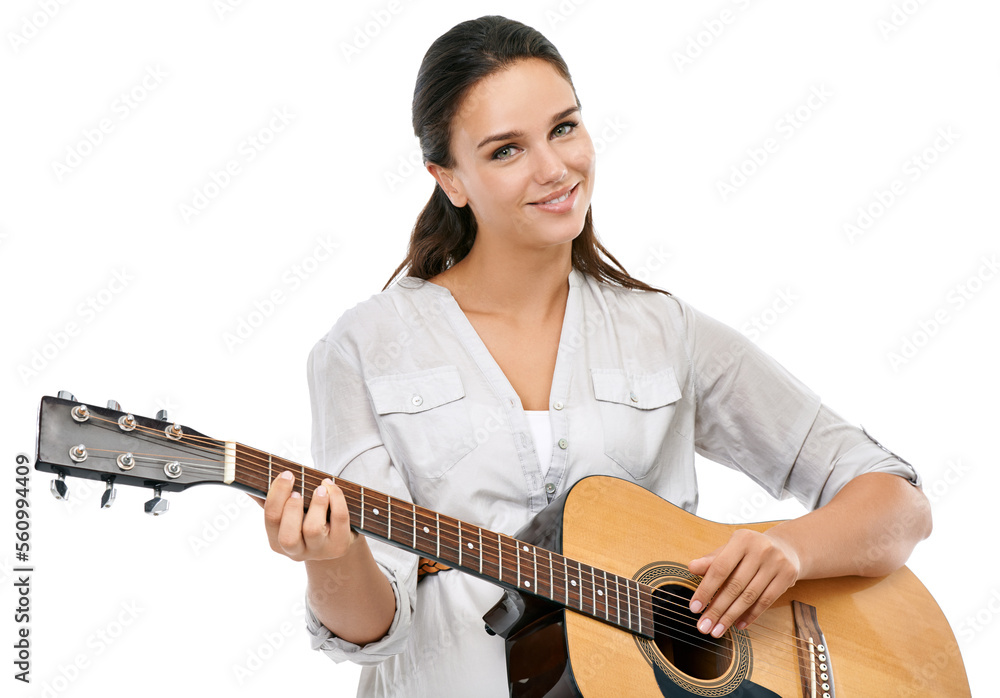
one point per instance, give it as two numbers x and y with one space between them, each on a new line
541 432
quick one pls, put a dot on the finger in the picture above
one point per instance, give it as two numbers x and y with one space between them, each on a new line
290 530
721 564
778 586
314 526
736 595
274 507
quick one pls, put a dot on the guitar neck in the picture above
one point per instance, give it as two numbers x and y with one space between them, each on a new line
498 558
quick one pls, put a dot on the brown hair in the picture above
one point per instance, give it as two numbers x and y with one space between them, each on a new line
455 62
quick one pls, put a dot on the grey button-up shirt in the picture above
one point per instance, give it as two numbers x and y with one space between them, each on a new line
407 400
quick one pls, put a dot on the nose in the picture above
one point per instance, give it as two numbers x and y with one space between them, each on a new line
549 166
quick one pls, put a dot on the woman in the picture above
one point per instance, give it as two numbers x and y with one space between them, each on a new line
531 360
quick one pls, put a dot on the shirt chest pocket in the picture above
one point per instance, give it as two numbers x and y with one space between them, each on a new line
424 419
636 411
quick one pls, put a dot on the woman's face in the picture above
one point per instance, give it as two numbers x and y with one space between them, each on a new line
524 162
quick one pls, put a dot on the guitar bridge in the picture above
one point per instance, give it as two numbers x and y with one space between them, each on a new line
815 667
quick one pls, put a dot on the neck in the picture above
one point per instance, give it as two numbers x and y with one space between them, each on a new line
528 284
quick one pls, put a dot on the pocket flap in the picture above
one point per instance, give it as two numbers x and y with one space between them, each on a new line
644 391
415 392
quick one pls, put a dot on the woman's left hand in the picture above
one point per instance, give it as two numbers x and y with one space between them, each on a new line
742 579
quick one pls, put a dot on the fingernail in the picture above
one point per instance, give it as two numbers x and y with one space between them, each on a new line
321 491
741 625
705 625
295 494
287 475
718 630
696 606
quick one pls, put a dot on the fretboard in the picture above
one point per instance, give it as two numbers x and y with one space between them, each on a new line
496 557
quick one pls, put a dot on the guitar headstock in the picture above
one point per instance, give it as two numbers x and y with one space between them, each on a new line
105 443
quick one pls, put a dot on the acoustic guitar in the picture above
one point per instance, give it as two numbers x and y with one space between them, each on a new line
596 591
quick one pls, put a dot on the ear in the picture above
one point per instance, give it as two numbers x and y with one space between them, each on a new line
450 184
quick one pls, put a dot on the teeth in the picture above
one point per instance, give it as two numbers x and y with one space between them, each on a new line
560 199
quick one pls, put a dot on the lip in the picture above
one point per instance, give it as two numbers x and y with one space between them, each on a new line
562 206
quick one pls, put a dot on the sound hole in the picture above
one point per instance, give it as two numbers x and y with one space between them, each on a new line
676 636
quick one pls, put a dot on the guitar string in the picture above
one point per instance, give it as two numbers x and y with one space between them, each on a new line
213 446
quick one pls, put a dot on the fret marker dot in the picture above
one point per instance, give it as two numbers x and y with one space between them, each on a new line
470 546
426 530
375 511
572 582
600 593
527 583
526 548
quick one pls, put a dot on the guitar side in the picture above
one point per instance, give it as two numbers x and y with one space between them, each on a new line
885 636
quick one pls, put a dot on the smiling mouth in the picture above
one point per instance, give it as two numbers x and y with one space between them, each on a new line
557 200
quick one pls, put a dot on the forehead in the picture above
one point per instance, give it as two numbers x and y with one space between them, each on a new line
522 97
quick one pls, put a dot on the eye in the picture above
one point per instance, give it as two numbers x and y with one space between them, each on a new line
504 153
564 128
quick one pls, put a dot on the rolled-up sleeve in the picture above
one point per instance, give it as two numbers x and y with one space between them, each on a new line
346 443
754 416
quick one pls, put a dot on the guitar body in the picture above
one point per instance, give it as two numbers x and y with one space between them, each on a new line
883 636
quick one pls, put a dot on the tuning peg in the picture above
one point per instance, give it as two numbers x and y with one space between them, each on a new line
66 395
59 488
113 405
108 498
157 505
162 415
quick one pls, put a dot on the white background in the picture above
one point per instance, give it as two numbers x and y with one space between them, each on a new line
195 600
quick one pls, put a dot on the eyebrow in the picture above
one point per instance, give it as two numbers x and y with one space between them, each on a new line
518 134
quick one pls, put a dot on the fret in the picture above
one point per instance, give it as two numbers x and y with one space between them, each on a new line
552 581
388 517
628 599
362 526
499 558
460 544
618 600
480 551
566 579
270 479
414 546
437 521
638 605
517 551
604 597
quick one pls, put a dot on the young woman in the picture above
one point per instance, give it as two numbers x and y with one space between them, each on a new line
533 360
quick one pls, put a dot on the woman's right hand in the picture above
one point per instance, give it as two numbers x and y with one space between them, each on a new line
322 533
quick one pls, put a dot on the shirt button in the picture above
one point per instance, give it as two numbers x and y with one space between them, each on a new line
632 397
558 405
563 444
417 400
550 488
